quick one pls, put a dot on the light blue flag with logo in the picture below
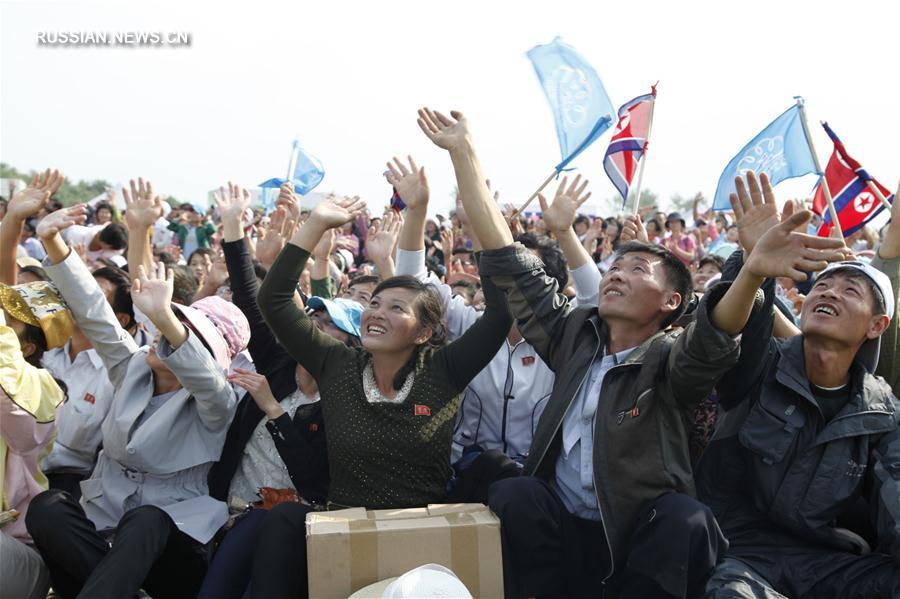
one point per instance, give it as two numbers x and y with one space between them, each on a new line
781 150
581 108
304 171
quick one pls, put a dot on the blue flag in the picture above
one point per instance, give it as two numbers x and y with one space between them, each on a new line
781 150
305 171
581 108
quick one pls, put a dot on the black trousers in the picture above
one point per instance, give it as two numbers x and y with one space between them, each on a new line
148 551
279 568
548 552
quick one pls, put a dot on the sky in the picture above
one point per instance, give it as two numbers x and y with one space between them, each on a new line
346 78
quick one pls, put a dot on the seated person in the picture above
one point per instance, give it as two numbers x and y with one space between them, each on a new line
31 320
165 428
388 405
809 434
605 501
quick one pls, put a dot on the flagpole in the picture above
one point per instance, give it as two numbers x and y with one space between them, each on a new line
637 192
879 195
831 211
536 192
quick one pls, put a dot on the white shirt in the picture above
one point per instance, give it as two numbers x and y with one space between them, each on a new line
261 465
80 417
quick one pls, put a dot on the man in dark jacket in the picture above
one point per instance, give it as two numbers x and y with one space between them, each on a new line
803 472
605 501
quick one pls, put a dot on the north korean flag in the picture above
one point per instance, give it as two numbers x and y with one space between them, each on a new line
854 201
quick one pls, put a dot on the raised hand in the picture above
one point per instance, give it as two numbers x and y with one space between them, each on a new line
445 132
634 230
258 387
152 294
334 212
273 236
755 211
142 207
410 183
447 244
560 215
383 237
232 202
28 202
289 200
783 252
61 219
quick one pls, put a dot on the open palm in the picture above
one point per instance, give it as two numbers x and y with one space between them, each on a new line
560 215
334 212
410 183
152 294
446 132
142 207
61 219
232 202
30 200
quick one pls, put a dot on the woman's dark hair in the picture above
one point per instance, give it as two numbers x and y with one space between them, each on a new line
35 334
201 252
104 206
429 311
115 235
121 301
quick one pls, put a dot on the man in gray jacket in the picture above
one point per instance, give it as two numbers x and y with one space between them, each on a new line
803 472
144 514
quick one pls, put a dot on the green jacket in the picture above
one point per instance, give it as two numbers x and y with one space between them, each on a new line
646 403
204 234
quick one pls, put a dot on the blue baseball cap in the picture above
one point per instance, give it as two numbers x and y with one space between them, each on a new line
344 313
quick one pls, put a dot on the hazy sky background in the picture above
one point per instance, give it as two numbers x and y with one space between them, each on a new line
346 79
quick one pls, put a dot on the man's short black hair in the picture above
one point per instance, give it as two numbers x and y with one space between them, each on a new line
553 258
363 280
121 300
677 274
115 235
716 261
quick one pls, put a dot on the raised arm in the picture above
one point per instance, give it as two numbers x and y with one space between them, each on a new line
559 218
22 206
296 331
452 134
779 252
268 355
383 239
142 209
86 300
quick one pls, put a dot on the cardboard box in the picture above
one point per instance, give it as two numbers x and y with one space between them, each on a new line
350 549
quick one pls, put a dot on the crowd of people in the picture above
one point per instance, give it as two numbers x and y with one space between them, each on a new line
653 405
